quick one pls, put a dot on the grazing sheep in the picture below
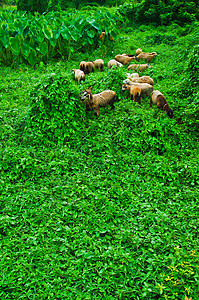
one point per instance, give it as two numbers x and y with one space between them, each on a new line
99 64
145 87
87 67
133 75
123 59
96 101
146 56
79 75
114 62
158 98
135 92
143 79
139 68
82 66
138 51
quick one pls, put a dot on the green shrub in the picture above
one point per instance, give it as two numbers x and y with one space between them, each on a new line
188 90
33 5
56 112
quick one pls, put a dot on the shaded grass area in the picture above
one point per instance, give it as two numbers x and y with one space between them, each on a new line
112 213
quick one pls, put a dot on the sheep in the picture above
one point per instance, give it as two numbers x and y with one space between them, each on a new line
138 51
135 92
79 75
143 79
99 64
87 67
96 101
114 62
139 68
146 56
158 98
82 66
145 87
133 75
124 59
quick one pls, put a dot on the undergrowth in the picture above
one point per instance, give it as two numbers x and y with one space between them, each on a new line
111 210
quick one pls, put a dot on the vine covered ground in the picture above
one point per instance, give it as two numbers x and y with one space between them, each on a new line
101 208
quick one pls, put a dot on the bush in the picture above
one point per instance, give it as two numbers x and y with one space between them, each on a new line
56 112
40 6
188 90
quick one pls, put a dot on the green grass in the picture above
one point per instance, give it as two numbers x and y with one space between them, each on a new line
112 213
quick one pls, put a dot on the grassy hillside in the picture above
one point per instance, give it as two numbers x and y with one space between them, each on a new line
111 211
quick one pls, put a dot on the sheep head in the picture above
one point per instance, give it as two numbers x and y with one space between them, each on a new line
125 87
127 81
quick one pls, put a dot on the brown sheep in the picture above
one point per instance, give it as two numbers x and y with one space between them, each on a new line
99 64
146 56
123 59
87 67
94 102
140 68
160 101
135 92
79 75
145 87
82 66
114 62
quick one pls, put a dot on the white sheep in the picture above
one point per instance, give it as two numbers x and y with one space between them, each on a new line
79 75
114 62
99 64
96 101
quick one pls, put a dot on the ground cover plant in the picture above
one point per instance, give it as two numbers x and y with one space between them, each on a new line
109 211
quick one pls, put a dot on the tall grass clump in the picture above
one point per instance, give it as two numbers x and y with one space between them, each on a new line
56 112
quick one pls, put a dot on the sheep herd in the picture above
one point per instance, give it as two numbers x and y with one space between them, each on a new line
136 85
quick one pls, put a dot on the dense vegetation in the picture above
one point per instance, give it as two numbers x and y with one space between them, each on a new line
101 208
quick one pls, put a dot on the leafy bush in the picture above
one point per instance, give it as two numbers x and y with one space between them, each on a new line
188 90
56 112
27 38
157 38
33 5
164 12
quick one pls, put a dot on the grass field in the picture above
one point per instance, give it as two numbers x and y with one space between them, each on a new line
111 213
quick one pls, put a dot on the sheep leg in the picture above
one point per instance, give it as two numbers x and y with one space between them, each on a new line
112 105
150 102
96 113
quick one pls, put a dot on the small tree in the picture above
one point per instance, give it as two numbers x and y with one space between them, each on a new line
40 6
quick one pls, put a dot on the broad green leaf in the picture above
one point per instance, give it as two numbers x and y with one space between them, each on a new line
91 33
53 42
56 33
48 33
95 25
15 45
25 49
43 48
74 36
65 33
4 37
32 59
40 36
